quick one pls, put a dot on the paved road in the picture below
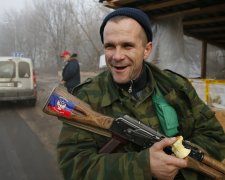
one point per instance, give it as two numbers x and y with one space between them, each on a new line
28 137
23 155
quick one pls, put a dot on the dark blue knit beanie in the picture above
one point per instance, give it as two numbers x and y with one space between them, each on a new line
133 13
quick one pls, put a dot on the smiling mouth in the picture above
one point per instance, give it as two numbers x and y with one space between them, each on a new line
120 68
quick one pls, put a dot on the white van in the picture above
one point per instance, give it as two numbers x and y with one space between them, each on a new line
17 80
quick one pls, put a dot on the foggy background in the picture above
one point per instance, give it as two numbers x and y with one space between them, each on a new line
42 29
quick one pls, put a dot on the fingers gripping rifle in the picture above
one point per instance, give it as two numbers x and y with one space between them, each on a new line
79 114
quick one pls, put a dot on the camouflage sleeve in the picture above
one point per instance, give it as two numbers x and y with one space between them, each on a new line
207 132
78 159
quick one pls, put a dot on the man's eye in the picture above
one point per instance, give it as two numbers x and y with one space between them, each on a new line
128 45
108 46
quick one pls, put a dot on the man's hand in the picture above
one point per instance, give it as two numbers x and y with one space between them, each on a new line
164 166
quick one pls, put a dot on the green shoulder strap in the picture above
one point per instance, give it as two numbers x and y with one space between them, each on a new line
165 113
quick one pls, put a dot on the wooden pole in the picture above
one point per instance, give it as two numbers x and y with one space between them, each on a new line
203 60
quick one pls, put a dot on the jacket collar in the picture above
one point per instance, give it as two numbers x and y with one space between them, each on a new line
112 93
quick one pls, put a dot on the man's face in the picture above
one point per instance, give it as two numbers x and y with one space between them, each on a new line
125 49
66 57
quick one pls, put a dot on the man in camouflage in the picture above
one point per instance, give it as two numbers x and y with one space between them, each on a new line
127 88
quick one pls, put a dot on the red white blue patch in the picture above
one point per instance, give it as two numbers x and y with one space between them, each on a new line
60 105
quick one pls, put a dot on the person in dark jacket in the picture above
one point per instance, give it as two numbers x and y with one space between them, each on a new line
71 71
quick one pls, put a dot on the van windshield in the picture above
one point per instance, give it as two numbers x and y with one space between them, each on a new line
7 69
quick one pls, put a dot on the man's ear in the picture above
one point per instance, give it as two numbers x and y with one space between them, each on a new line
148 50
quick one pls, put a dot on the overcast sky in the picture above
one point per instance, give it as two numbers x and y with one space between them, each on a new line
12 4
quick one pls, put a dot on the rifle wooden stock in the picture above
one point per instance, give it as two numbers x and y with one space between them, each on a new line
82 114
214 163
203 168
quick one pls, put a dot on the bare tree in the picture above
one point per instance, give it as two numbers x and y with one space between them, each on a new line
47 28
10 32
87 16
55 17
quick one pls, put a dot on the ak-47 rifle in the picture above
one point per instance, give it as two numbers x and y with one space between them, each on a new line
79 114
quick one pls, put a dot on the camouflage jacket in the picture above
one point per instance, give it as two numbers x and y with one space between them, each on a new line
77 149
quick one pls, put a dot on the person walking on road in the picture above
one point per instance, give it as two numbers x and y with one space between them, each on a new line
71 71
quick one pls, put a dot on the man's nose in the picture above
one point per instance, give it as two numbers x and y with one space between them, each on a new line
118 54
